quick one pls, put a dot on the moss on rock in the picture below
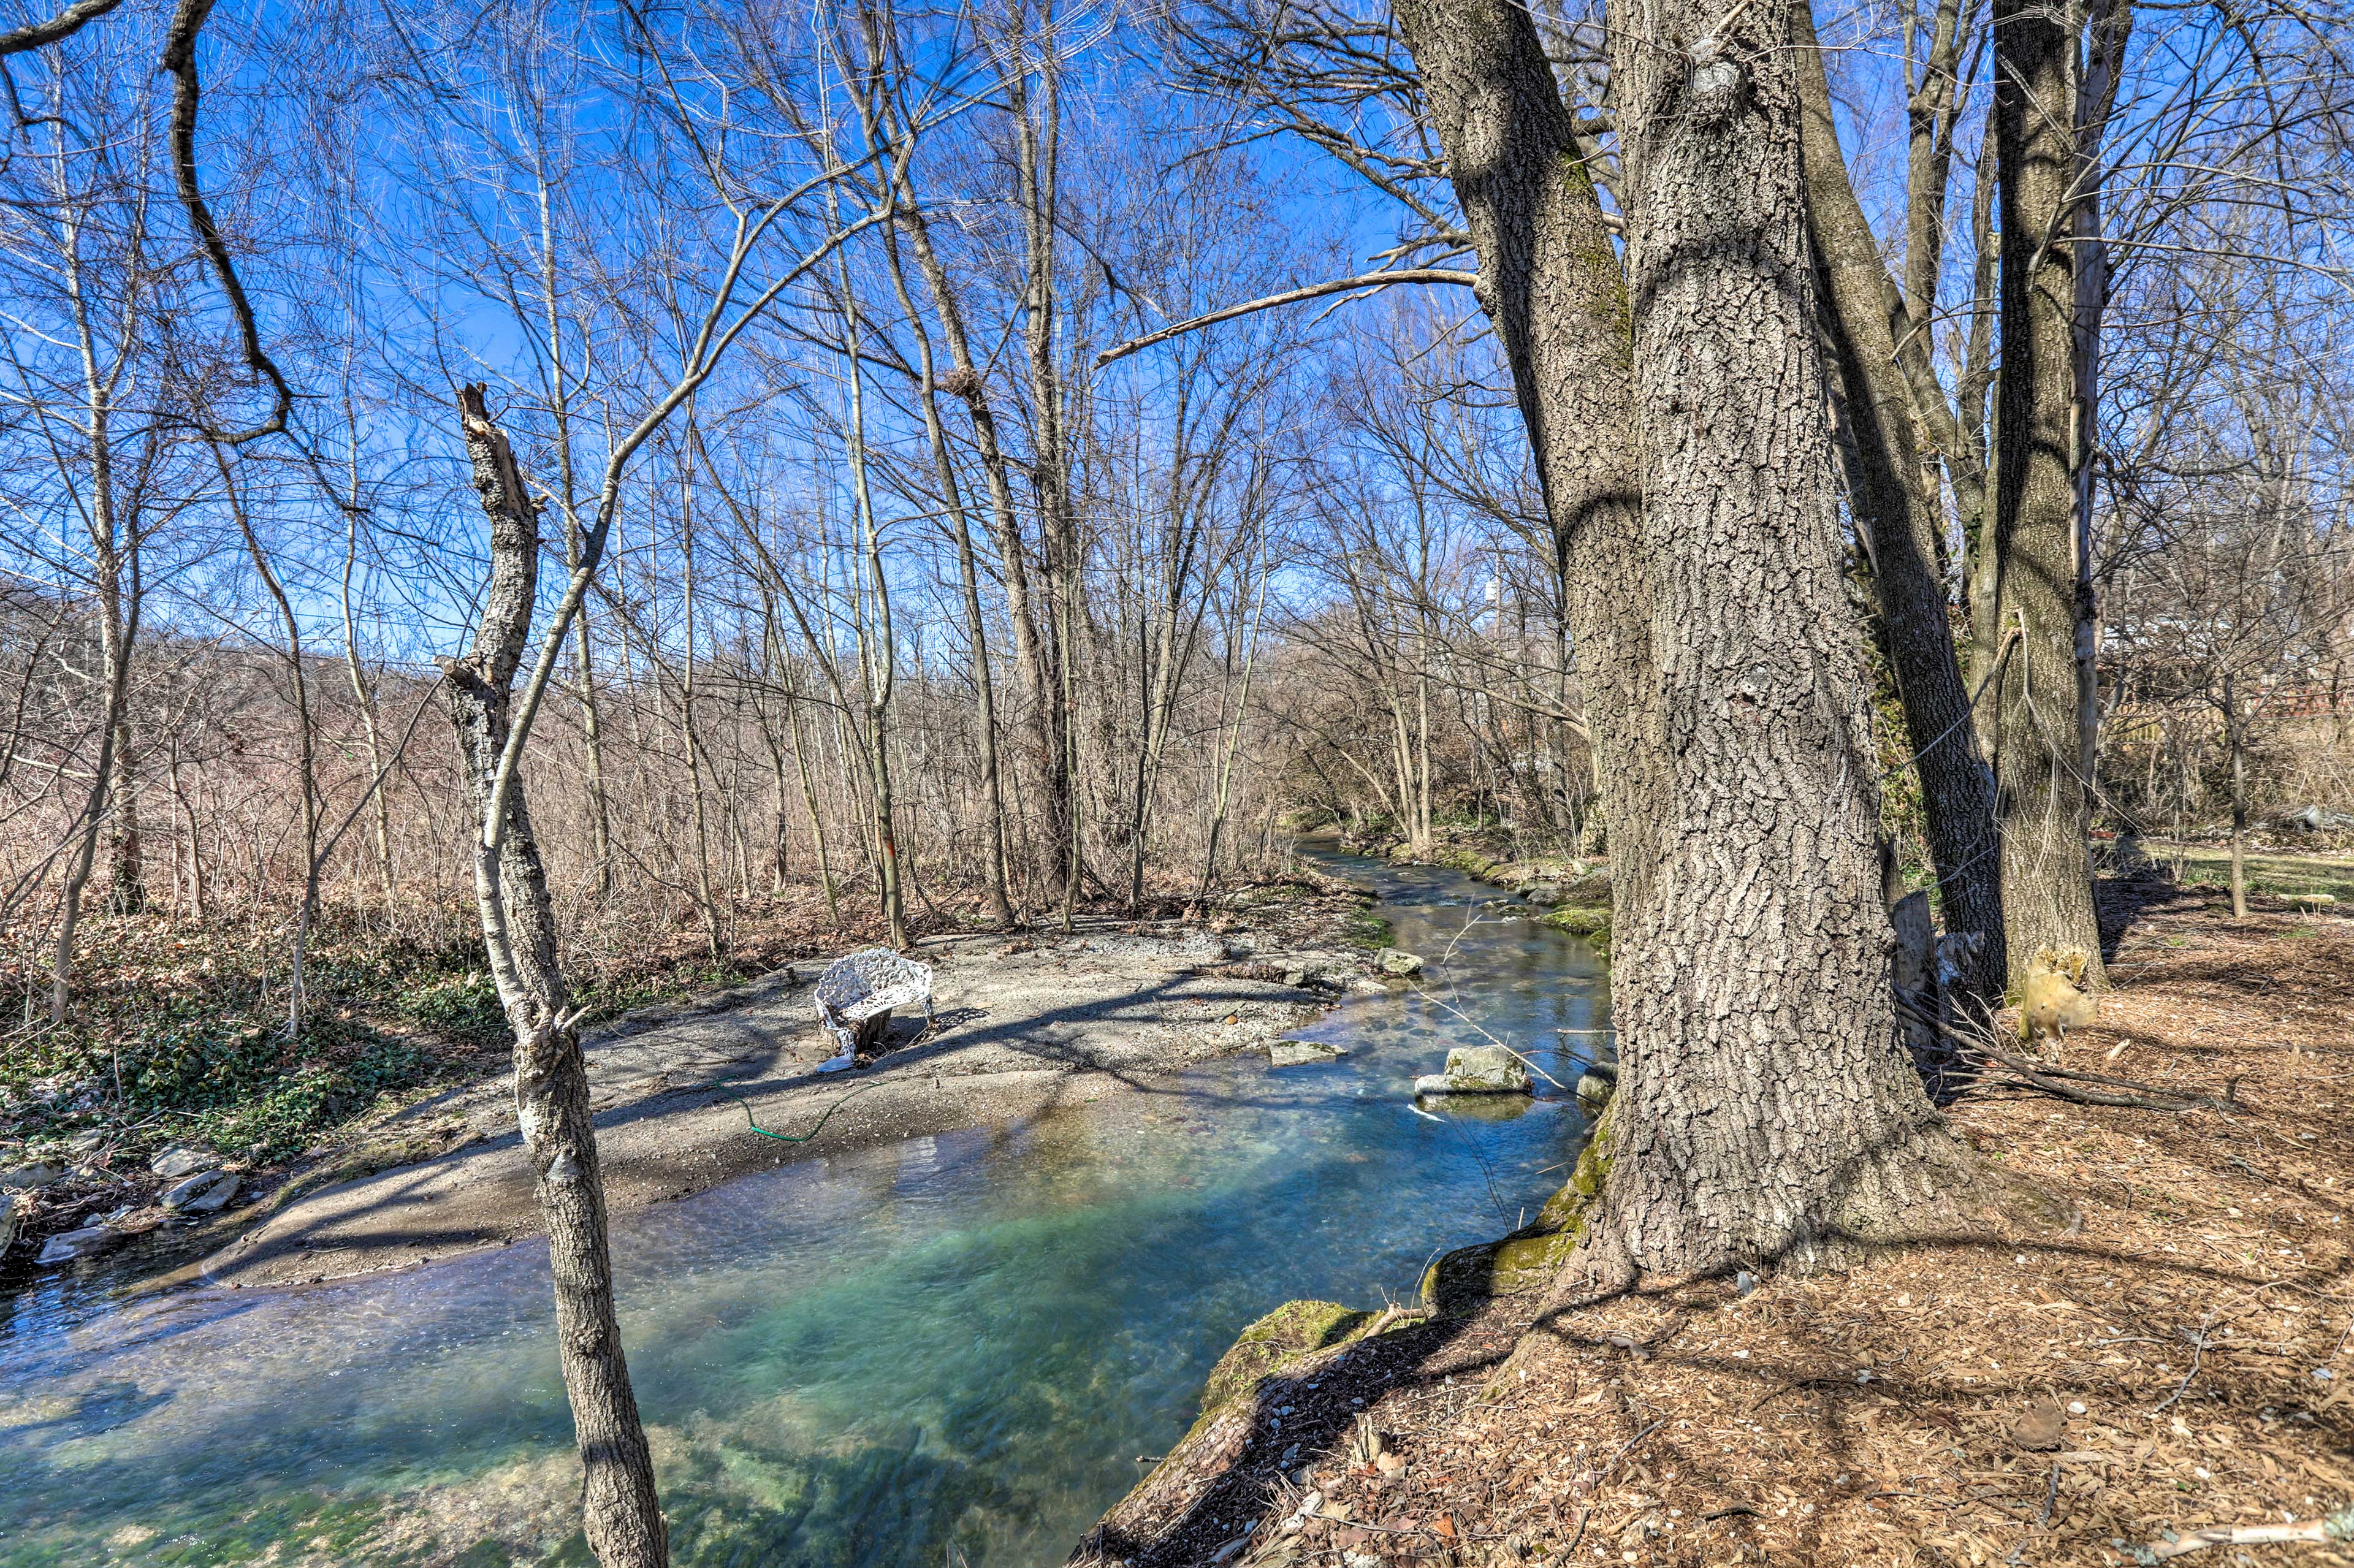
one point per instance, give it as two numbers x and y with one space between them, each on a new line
1529 1257
1292 1331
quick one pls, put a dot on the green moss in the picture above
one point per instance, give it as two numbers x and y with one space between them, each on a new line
1367 930
1460 1280
1581 920
1292 1331
1529 1257
1578 920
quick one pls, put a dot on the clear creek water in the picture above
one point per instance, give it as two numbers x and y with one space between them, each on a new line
950 1345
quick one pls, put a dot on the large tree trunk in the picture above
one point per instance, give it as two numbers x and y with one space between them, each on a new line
621 1514
1893 494
2041 794
1769 1113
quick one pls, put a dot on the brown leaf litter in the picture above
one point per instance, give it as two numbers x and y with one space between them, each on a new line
2176 1359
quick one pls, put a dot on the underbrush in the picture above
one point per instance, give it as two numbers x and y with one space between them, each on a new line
177 1032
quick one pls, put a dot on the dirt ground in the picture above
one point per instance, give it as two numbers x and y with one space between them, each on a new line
2176 1360
1021 1027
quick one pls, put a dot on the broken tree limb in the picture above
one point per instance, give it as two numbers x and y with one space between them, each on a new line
2339 1526
2084 1088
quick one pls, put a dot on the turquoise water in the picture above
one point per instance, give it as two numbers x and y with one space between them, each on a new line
949 1346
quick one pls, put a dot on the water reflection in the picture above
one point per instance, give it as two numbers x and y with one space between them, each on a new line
962 1340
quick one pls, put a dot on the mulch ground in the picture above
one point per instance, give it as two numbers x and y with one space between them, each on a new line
2179 1359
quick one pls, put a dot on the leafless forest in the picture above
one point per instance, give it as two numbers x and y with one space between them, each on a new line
934 570
565 488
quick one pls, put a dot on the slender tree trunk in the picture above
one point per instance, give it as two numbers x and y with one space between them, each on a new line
984 682
1769 1114
1894 497
197 906
817 823
2107 24
690 731
1223 791
2233 739
361 695
584 685
878 657
126 855
307 757
2041 792
621 1514
1038 141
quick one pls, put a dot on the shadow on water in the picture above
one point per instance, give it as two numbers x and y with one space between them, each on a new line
962 1341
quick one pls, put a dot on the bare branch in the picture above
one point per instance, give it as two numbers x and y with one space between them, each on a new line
64 24
1313 292
180 59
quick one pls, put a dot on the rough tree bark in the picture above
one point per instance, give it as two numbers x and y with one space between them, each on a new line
621 1514
1769 1113
1893 494
2041 795
1551 283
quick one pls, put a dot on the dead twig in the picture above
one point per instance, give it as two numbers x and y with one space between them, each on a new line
2065 1084
2339 1526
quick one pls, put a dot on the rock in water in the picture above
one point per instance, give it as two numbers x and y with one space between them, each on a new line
1399 962
79 1243
1299 1052
1596 1084
1477 1070
205 1195
178 1161
29 1178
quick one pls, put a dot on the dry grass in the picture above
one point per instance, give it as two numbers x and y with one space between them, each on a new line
2178 1359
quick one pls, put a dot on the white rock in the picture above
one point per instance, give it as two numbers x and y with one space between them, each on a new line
178 1160
1477 1070
79 1243
204 1194
12 1215
1399 962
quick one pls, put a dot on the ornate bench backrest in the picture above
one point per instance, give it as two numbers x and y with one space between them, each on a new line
868 984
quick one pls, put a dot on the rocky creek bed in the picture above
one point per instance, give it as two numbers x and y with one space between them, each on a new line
955 1328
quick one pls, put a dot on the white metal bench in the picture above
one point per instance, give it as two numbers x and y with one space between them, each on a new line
855 996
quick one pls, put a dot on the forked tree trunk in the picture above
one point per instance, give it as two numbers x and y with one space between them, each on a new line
2040 802
1769 1114
621 1514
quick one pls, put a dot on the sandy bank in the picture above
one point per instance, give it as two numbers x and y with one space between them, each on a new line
1022 1028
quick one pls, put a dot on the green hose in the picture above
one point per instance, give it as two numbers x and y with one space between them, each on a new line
793 1137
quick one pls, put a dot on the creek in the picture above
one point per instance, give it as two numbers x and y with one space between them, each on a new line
948 1349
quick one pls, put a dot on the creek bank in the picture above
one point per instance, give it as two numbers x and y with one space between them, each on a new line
1292 1406
1024 1026
1776 1417
1572 892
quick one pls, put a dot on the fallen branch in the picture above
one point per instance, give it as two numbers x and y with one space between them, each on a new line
2339 1526
2129 1094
